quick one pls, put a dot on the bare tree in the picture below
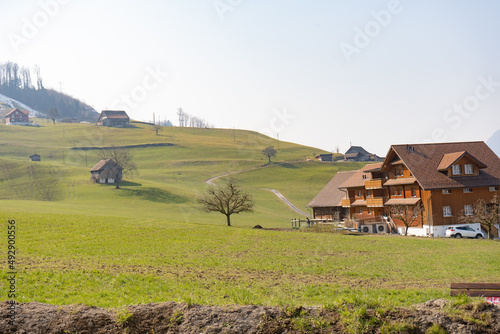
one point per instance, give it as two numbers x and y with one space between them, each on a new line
407 214
484 213
227 199
156 128
269 152
122 163
53 113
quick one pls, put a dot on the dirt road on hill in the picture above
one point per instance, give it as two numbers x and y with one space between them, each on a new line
274 191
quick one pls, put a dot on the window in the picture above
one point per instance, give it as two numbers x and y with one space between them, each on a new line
468 211
360 193
399 171
467 190
369 211
447 211
446 191
413 192
360 211
456 170
493 188
468 169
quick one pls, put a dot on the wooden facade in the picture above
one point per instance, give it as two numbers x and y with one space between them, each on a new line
446 180
114 118
17 117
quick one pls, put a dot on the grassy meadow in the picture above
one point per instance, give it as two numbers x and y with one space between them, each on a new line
149 242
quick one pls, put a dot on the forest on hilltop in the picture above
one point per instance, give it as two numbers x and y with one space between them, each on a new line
26 85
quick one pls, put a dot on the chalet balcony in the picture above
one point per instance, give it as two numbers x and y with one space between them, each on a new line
346 203
373 184
375 202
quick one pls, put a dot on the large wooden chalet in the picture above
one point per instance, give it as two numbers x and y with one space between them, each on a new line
116 118
445 179
17 117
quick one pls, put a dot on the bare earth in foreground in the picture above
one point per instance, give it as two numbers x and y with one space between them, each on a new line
172 317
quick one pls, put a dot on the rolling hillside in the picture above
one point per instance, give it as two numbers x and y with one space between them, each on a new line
168 179
149 242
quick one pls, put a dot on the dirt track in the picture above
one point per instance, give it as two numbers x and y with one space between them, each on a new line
170 317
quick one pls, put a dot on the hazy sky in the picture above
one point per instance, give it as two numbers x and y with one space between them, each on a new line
322 73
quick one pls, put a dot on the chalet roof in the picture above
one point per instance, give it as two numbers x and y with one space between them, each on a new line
359 202
451 158
101 164
424 160
400 182
360 177
115 114
331 195
357 149
402 201
14 110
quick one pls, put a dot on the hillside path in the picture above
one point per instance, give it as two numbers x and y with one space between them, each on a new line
274 191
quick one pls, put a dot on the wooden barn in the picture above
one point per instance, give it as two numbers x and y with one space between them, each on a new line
106 171
116 118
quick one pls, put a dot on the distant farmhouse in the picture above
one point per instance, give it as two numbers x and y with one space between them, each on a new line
446 179
116 118
357 153
325 157
17 117
35 157
106 171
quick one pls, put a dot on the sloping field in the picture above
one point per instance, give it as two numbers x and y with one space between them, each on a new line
149 242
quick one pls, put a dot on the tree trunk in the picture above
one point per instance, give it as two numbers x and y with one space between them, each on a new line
406 231
117 184
228 220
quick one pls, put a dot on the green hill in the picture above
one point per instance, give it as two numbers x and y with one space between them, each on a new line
81 242
169 178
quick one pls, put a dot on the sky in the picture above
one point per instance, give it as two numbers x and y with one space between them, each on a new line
322 73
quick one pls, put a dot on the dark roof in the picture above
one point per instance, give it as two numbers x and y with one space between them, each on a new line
13 110
356 149
351 155
357 180
424 161
114 114
101 164
331 195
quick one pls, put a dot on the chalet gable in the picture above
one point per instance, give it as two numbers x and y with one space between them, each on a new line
430 164
460 164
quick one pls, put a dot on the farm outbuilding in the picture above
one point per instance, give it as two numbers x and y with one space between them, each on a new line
106 171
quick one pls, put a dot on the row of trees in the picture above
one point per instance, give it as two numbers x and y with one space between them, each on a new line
187 120
26 86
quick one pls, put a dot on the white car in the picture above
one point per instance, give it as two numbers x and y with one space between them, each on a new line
463 232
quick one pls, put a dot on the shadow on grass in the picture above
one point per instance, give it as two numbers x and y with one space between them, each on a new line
153 195
130 184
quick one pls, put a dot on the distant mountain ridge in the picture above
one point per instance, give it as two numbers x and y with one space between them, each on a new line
25 86
494 142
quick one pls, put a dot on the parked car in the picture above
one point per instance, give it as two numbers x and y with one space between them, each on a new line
463 232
